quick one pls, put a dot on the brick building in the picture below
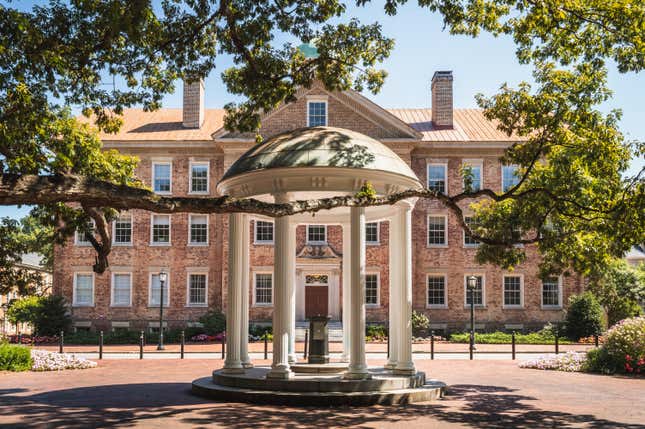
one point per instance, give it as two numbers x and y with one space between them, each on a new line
185 152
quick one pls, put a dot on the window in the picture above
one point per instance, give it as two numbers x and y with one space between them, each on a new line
509 177
316 234
437 231
263 231
512 291
199 177
122 232
83 289
161 229
437 177
371 233
468 239
197 289
198 229
155 291
80 238
436 290
476 170
551 292
479 290
161 177
371 289
317 114
263 289
121 288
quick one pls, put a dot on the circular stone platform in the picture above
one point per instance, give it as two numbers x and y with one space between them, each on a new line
318 388
319 368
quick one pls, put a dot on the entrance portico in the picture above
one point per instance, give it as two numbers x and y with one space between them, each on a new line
308 164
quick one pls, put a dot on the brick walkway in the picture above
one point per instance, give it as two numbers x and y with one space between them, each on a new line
485 394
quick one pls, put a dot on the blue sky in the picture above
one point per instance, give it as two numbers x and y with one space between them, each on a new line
479 65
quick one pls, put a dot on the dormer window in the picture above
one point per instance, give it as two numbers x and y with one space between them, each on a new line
317 113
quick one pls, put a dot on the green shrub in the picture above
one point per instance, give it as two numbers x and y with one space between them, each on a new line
506 338
584 316
420 324
214 322
375 332
259 330
46 314
14 358
622 309
623 349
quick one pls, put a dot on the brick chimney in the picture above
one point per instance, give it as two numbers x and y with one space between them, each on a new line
442 99
193 111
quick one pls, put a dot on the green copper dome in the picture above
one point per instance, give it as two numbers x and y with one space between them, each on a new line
309 50
320 147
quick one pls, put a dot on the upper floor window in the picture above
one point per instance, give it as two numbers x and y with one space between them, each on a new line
83 289
437 231
551 292
436 290
512 291
197 289
478 292
317 113
371 233
316 234
263 231
263 289
468 239
81 238
199 177
160 229
122 230
371 289
509 177
162 177
438 177
198 229
476 176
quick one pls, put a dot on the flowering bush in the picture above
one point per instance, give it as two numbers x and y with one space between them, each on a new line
569 362
203 337
49 361
623 349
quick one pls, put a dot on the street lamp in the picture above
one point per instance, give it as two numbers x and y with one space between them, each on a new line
472 285
163 276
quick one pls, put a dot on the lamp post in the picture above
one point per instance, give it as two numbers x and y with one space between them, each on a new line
163 276
472 285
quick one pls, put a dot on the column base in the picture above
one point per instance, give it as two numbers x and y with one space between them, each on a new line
292 359
280 373
405 370
233 369
247 365
344 358
390 365
357 375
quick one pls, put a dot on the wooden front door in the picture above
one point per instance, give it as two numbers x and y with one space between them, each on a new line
316 301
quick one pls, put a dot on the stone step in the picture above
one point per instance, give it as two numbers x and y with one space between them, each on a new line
430 391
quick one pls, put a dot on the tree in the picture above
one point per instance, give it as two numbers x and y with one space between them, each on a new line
584 316
47 315
571 199
619 289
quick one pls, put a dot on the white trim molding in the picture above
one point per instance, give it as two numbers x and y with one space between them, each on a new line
254 294
445 225
190 242
445 290
190 177
378 289
201 272
443 164
112 284
549 306
152 242
158 161
513 306
74 299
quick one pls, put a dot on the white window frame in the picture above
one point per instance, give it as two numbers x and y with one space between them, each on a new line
549 306
114 243
115 273
318 100
152 218
190 272
501 169
476 274
378 289
152 173
83 243
445 223
255 232
474 163
463 234
513 306
378 234
255 278
190 237
152 273
445 174
190 177
74 302
316 242
445 291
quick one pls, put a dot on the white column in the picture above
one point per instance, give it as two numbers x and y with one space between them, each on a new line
281 309
347 280
404 364
395 284
357 365
244 327
291 279
233 363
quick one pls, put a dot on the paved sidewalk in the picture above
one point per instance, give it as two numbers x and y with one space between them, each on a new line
155 393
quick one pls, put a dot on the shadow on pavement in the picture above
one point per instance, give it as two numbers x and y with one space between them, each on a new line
129 404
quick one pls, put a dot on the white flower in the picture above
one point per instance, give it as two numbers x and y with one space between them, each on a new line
569 362
49 361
